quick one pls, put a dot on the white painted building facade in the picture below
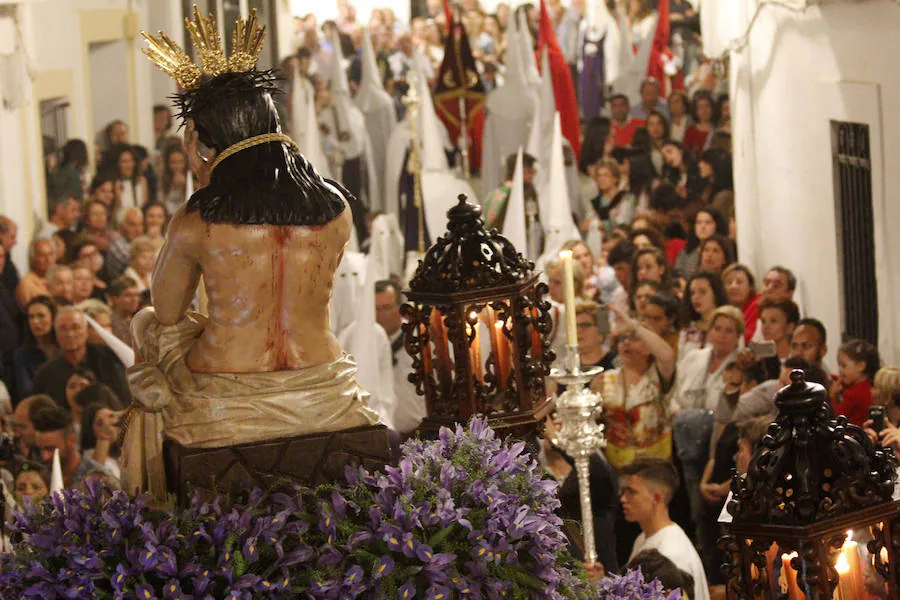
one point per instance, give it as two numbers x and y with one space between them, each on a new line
805 64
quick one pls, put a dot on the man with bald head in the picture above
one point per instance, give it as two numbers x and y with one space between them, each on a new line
131 225
41 256
74 350
9 232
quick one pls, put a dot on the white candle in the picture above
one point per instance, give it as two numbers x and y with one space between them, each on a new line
571 330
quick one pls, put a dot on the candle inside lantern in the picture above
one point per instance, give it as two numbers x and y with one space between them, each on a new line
788 580
502 352
851 583
475 347
568 266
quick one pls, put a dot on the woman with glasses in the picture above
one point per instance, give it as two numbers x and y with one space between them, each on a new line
637 414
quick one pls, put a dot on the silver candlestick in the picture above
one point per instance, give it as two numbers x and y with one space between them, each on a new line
580 436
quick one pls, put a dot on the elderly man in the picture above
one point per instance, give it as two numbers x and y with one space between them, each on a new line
60 282
64 215
41 256
131 226
74 350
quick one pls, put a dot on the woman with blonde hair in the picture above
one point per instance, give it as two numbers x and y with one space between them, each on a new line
140 261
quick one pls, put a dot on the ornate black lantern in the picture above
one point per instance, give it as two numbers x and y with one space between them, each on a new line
814 478
477 328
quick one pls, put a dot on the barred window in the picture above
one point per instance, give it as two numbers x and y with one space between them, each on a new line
855 229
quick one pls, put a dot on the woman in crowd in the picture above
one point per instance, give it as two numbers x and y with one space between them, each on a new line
705 293
103 189
716 253
679 120
40 343
612 205
85 253
659 131
95 225
132 189
101 313
173 183
99 425
141 259
68 178
79 379
698 389
723 108
647 237
680 170
156 219
594 353
599 281
32 482
740 285
699 133
638 421
640 297
700 382
707 222
649 264
715 171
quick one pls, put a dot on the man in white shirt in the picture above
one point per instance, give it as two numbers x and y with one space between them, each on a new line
648 485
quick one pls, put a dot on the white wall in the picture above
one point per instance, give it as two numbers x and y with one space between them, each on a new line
108 67
798 72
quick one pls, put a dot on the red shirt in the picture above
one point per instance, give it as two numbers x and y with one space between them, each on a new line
695 139
622 134
855 402
674 246
751 317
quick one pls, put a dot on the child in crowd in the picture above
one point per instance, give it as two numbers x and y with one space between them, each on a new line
858 361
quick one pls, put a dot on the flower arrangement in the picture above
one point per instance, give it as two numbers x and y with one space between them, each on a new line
466 516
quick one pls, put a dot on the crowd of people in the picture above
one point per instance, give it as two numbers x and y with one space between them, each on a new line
694 344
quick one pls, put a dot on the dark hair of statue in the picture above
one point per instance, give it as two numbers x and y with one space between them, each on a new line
267 184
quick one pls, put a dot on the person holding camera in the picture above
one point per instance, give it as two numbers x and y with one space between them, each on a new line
884 415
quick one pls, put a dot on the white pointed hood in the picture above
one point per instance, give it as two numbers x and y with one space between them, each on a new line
361 343
514 228
386 250
348 114
541 131
557 219
56 477
371 95
123 351
526 52
306 120
430 127
510 114
516 97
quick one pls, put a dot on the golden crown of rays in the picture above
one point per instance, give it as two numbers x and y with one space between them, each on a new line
246 45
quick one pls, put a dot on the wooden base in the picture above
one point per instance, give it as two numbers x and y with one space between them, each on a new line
307 460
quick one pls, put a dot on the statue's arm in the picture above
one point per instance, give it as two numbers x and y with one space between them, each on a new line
176 273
